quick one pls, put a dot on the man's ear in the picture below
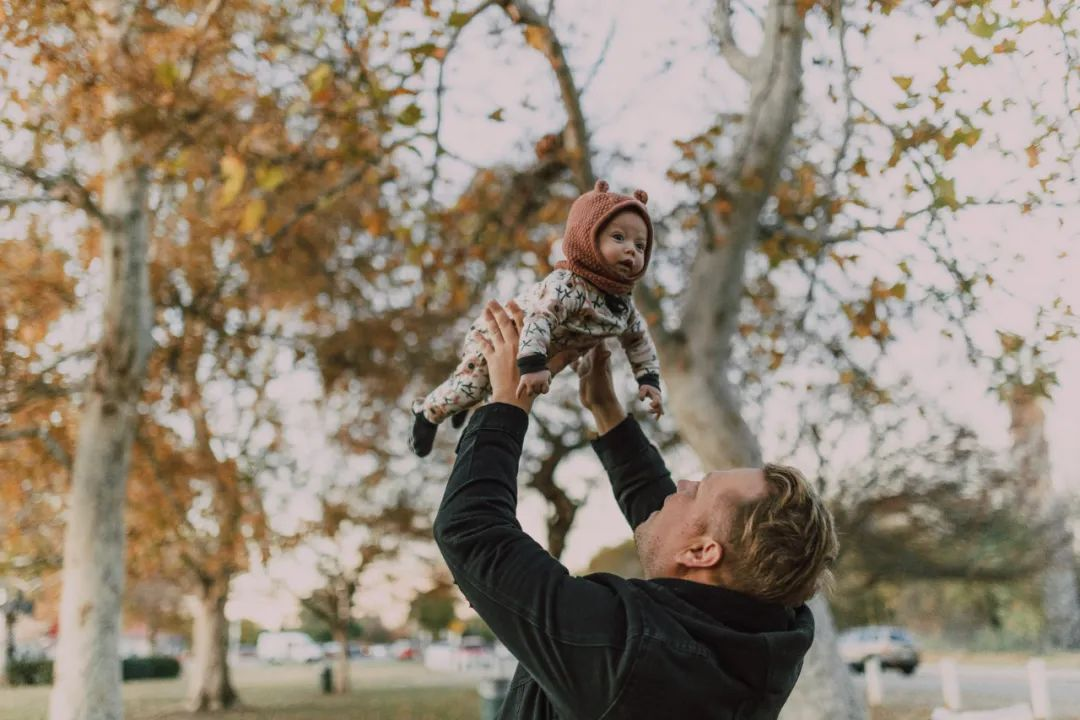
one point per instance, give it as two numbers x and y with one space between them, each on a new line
702 552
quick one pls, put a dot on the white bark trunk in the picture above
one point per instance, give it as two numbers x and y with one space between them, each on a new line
87 678
1061 598
210 686
1031 456
824 689
695 358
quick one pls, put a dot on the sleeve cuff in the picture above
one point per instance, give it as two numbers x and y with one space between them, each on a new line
532 363
612 446
652 379
503 417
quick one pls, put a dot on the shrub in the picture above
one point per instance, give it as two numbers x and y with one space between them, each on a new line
40 672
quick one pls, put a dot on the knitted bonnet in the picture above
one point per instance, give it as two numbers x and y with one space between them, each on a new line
581 244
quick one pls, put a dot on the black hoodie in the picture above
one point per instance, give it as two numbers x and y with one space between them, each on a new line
601 646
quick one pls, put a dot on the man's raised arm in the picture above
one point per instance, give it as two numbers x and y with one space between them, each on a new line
637 472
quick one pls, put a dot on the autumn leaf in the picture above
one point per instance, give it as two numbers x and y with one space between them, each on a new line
410 115
496 116
982 27
1032 151
1005 47
970 57
904 81
269 177
233 172
458 19
319 78
536 37
254 212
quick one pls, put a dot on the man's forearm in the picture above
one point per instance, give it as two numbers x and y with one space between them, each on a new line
607 416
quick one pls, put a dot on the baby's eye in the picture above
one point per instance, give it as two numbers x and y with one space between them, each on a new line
617 236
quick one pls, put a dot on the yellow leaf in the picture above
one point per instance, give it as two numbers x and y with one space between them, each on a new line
233 172
254 213
269 177
319 79
904 81
535 36
338 7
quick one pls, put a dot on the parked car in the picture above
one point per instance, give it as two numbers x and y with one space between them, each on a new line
893 646
287 646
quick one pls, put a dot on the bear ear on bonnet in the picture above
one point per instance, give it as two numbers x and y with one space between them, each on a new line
601 186
642 196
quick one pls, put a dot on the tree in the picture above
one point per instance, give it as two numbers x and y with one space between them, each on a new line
769 223
158 604
433 610
1061 593
88 664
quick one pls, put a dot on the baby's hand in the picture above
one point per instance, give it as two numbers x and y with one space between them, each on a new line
656 404
534 383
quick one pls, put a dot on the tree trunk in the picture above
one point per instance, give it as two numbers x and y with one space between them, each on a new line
1031 456
210 687
345 592
87 684
7 649
824 689
341 675
696 356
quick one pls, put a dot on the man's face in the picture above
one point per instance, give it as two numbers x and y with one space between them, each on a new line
622 243
695 509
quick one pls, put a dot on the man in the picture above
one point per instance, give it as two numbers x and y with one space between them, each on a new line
718 628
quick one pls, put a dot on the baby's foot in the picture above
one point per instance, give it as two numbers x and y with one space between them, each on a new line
423 435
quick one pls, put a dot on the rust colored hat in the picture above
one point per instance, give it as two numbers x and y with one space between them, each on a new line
581 244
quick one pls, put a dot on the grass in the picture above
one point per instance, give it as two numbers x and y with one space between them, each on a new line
381 691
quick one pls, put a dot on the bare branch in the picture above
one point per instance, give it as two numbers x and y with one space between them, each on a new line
599 59
576 139
52 445
440 90
740 61
62 188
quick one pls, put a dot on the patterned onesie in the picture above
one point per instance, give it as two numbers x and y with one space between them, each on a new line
564 311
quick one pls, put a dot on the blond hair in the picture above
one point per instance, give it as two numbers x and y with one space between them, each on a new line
783 545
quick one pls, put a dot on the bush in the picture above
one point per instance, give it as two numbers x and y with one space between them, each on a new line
145 668
30 672
40 672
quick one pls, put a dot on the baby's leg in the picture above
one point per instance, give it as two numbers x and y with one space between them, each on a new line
467 386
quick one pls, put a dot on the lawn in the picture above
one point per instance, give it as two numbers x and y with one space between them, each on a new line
381 691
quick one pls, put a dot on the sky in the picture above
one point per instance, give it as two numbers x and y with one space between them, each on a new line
659 80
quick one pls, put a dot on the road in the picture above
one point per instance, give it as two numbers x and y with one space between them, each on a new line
982 687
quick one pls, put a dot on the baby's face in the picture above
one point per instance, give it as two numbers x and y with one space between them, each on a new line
622 243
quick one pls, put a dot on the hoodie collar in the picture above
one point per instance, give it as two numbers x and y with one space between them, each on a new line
735 609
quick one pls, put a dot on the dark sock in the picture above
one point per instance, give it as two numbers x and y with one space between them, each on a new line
458 419
423 435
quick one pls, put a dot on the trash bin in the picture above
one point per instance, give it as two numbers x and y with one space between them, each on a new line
326 679
492 693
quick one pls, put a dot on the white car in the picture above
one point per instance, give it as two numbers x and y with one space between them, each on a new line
287 647
893 646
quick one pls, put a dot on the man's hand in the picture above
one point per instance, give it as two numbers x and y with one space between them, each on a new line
656 403
500 351
597 390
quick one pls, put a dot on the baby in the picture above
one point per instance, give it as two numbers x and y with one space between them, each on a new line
608 242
